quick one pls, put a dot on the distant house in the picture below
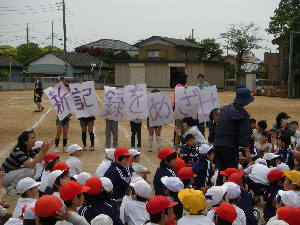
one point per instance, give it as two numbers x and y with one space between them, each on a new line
8 64
163 60
79 65
109 44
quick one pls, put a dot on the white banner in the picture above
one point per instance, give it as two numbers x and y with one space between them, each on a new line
186 102
61 100
160 109
114 105
84 96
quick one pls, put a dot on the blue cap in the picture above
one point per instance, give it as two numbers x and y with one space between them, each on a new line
243 96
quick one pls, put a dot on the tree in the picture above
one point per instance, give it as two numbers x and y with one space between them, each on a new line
8 50
211 49
27 52
49 48
242 39
286 18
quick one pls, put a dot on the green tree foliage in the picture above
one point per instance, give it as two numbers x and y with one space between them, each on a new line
8 50
26 53
286 18
49 48
242 39
211 49
230 70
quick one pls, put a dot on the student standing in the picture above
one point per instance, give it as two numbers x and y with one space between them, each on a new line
38 93
87 125
111 128
136 130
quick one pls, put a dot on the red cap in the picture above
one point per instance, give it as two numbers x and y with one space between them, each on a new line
229 171
236 177
71 189
61 166
121 151
185 173
159 203
226 212
50 157
178 164
289 214
164 153
47 206
275 175
95 185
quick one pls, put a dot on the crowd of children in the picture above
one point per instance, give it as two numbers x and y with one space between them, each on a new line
264 189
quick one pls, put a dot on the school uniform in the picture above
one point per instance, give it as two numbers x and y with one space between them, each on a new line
195 220
75 164
269 196
136 213
191 152
161 172
75 219
120 177
102 168
125 199
286 156
241 218
44 180
203 168
20 204
246 204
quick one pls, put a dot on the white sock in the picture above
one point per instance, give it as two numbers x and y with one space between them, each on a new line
158 139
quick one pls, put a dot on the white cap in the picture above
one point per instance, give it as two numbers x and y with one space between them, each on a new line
142 189
172 183
73 148
107 184
138 168
37 144
136 178
102 220
233 190
217 193
110 153
26 184
277 222
53 176
261 161
283 167
269 156
82 177
204 148
290 198
134 152
28 213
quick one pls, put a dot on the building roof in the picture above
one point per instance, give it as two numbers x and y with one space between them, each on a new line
111 44
169 61
173 41
6 61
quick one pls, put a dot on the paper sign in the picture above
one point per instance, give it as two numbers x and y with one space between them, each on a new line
136 101
159 109
114 105
61 100
186 102
84 96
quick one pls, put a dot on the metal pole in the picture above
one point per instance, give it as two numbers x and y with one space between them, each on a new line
65 36
290 76
52 37
27 34
9 69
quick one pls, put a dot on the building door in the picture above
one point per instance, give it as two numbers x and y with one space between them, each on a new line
137 74
175 72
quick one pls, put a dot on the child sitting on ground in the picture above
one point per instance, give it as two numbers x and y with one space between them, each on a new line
136 166
261 127
189 151
262 145
186 175
55 180
73 161
284 152
225 214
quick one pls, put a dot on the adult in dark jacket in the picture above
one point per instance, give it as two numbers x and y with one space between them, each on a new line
38 93
212 124
233 131
168 160
120 173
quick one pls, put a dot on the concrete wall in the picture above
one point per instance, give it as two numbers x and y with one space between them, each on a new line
157 75
121 74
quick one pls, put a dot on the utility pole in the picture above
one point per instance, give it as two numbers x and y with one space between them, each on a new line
291 93
65 35
52 36
27 34
193 33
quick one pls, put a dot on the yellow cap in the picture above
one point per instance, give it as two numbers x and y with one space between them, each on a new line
294 176
193 201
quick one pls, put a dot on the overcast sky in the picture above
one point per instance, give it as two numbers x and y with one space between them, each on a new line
130 20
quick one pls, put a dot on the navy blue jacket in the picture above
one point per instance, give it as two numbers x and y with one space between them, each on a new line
191 152
286 156
246 204
161 172
120 177
269 197
99 207
200 168
233 127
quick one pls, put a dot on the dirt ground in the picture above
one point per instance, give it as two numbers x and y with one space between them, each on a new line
16 113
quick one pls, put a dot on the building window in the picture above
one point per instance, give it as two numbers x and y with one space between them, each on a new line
184 54
153 54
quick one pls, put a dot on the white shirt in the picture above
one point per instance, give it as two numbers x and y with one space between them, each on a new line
125 199
258 173
14 221
199 138
102 168
195 220
135 213
21 202
44 180
74 219
211 214
241 218
75 164
39 167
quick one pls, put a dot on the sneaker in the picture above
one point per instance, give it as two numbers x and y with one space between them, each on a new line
138 148
56 149
84 148
91 148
